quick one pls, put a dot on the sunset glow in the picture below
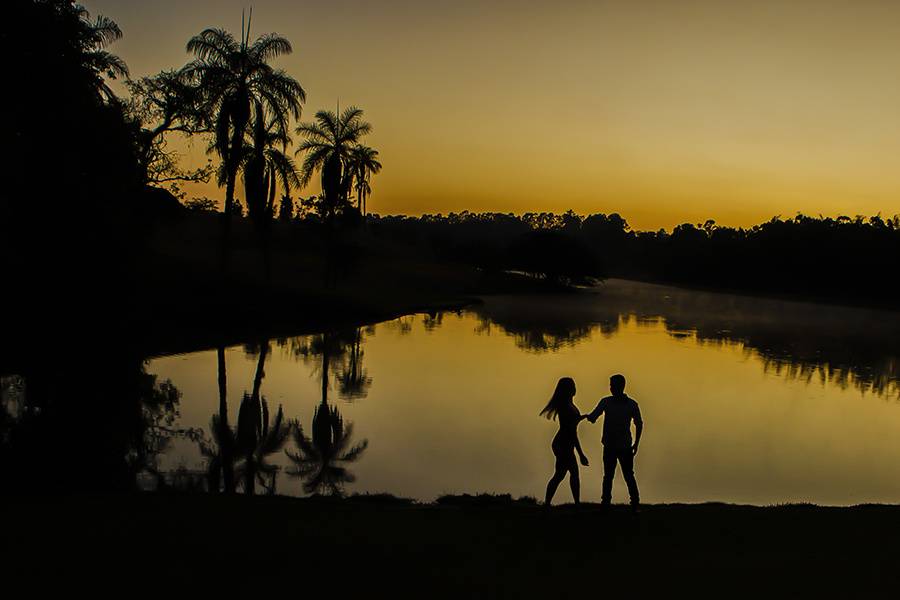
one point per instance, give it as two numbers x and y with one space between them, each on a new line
664 112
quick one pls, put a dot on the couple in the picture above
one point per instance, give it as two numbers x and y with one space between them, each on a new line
619 411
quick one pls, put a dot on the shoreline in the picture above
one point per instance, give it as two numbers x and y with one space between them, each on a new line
381 547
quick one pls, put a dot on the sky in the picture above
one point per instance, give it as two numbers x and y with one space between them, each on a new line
665 112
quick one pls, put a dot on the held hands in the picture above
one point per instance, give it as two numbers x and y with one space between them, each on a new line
634 450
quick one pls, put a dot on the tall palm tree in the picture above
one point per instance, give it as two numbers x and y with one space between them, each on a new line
362 165
266 164
328 142
236 76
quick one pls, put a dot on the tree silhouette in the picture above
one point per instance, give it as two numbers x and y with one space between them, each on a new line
327 146
235 76
362 164
266 164
165 103
89 41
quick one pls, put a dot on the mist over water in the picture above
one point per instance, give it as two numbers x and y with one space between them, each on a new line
745 400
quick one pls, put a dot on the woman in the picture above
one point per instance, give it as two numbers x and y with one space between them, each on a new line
562 407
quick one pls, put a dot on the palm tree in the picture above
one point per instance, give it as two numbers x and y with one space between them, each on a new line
328 143
91 39
362 165
266 164
236 76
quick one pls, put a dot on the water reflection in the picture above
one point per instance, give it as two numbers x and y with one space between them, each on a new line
60 430
849 347
245 454
335 354
320 460
71 428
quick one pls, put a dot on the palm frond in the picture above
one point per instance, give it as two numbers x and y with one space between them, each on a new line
213 45
105 31
269 46
355 452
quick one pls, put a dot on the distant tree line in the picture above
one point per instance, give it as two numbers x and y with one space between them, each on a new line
843 259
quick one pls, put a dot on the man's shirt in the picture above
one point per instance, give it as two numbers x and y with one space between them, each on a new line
619 411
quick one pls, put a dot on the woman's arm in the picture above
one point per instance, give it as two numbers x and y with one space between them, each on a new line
584 459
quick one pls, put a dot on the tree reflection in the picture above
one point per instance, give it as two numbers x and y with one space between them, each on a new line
848 347
536 329
336 355
353 378
320 459
60 431
257 441
243 454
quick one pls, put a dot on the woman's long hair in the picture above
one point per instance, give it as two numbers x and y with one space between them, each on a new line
562 395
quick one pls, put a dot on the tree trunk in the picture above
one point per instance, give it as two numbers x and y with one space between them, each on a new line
225 445
260 369
325 368
270 208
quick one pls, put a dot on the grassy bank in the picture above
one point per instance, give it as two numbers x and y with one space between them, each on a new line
456 548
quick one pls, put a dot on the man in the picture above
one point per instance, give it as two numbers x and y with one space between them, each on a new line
619 411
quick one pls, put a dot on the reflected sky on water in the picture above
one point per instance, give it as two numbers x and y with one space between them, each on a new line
744 399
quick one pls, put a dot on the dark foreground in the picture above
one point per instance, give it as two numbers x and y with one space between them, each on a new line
153 544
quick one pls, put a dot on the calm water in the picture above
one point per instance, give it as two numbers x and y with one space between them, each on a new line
744 400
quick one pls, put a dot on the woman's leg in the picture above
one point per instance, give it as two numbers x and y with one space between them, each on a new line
575 484
554 482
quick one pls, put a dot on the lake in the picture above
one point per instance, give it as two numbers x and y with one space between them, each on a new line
744 399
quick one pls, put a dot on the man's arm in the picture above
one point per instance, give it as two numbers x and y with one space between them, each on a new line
595 414
638 428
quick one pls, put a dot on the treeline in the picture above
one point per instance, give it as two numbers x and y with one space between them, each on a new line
840 259
89 171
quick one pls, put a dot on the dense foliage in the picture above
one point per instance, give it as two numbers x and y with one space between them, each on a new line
845 259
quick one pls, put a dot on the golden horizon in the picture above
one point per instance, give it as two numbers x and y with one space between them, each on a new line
662 113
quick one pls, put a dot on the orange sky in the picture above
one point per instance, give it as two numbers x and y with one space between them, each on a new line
662 111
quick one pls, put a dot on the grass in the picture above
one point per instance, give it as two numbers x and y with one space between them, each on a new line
460 547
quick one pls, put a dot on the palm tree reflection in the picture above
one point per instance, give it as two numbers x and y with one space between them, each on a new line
242 454
258 441
353 379
335 355
320 460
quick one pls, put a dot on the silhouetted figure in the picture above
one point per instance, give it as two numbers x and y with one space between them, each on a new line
565 442
619 411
